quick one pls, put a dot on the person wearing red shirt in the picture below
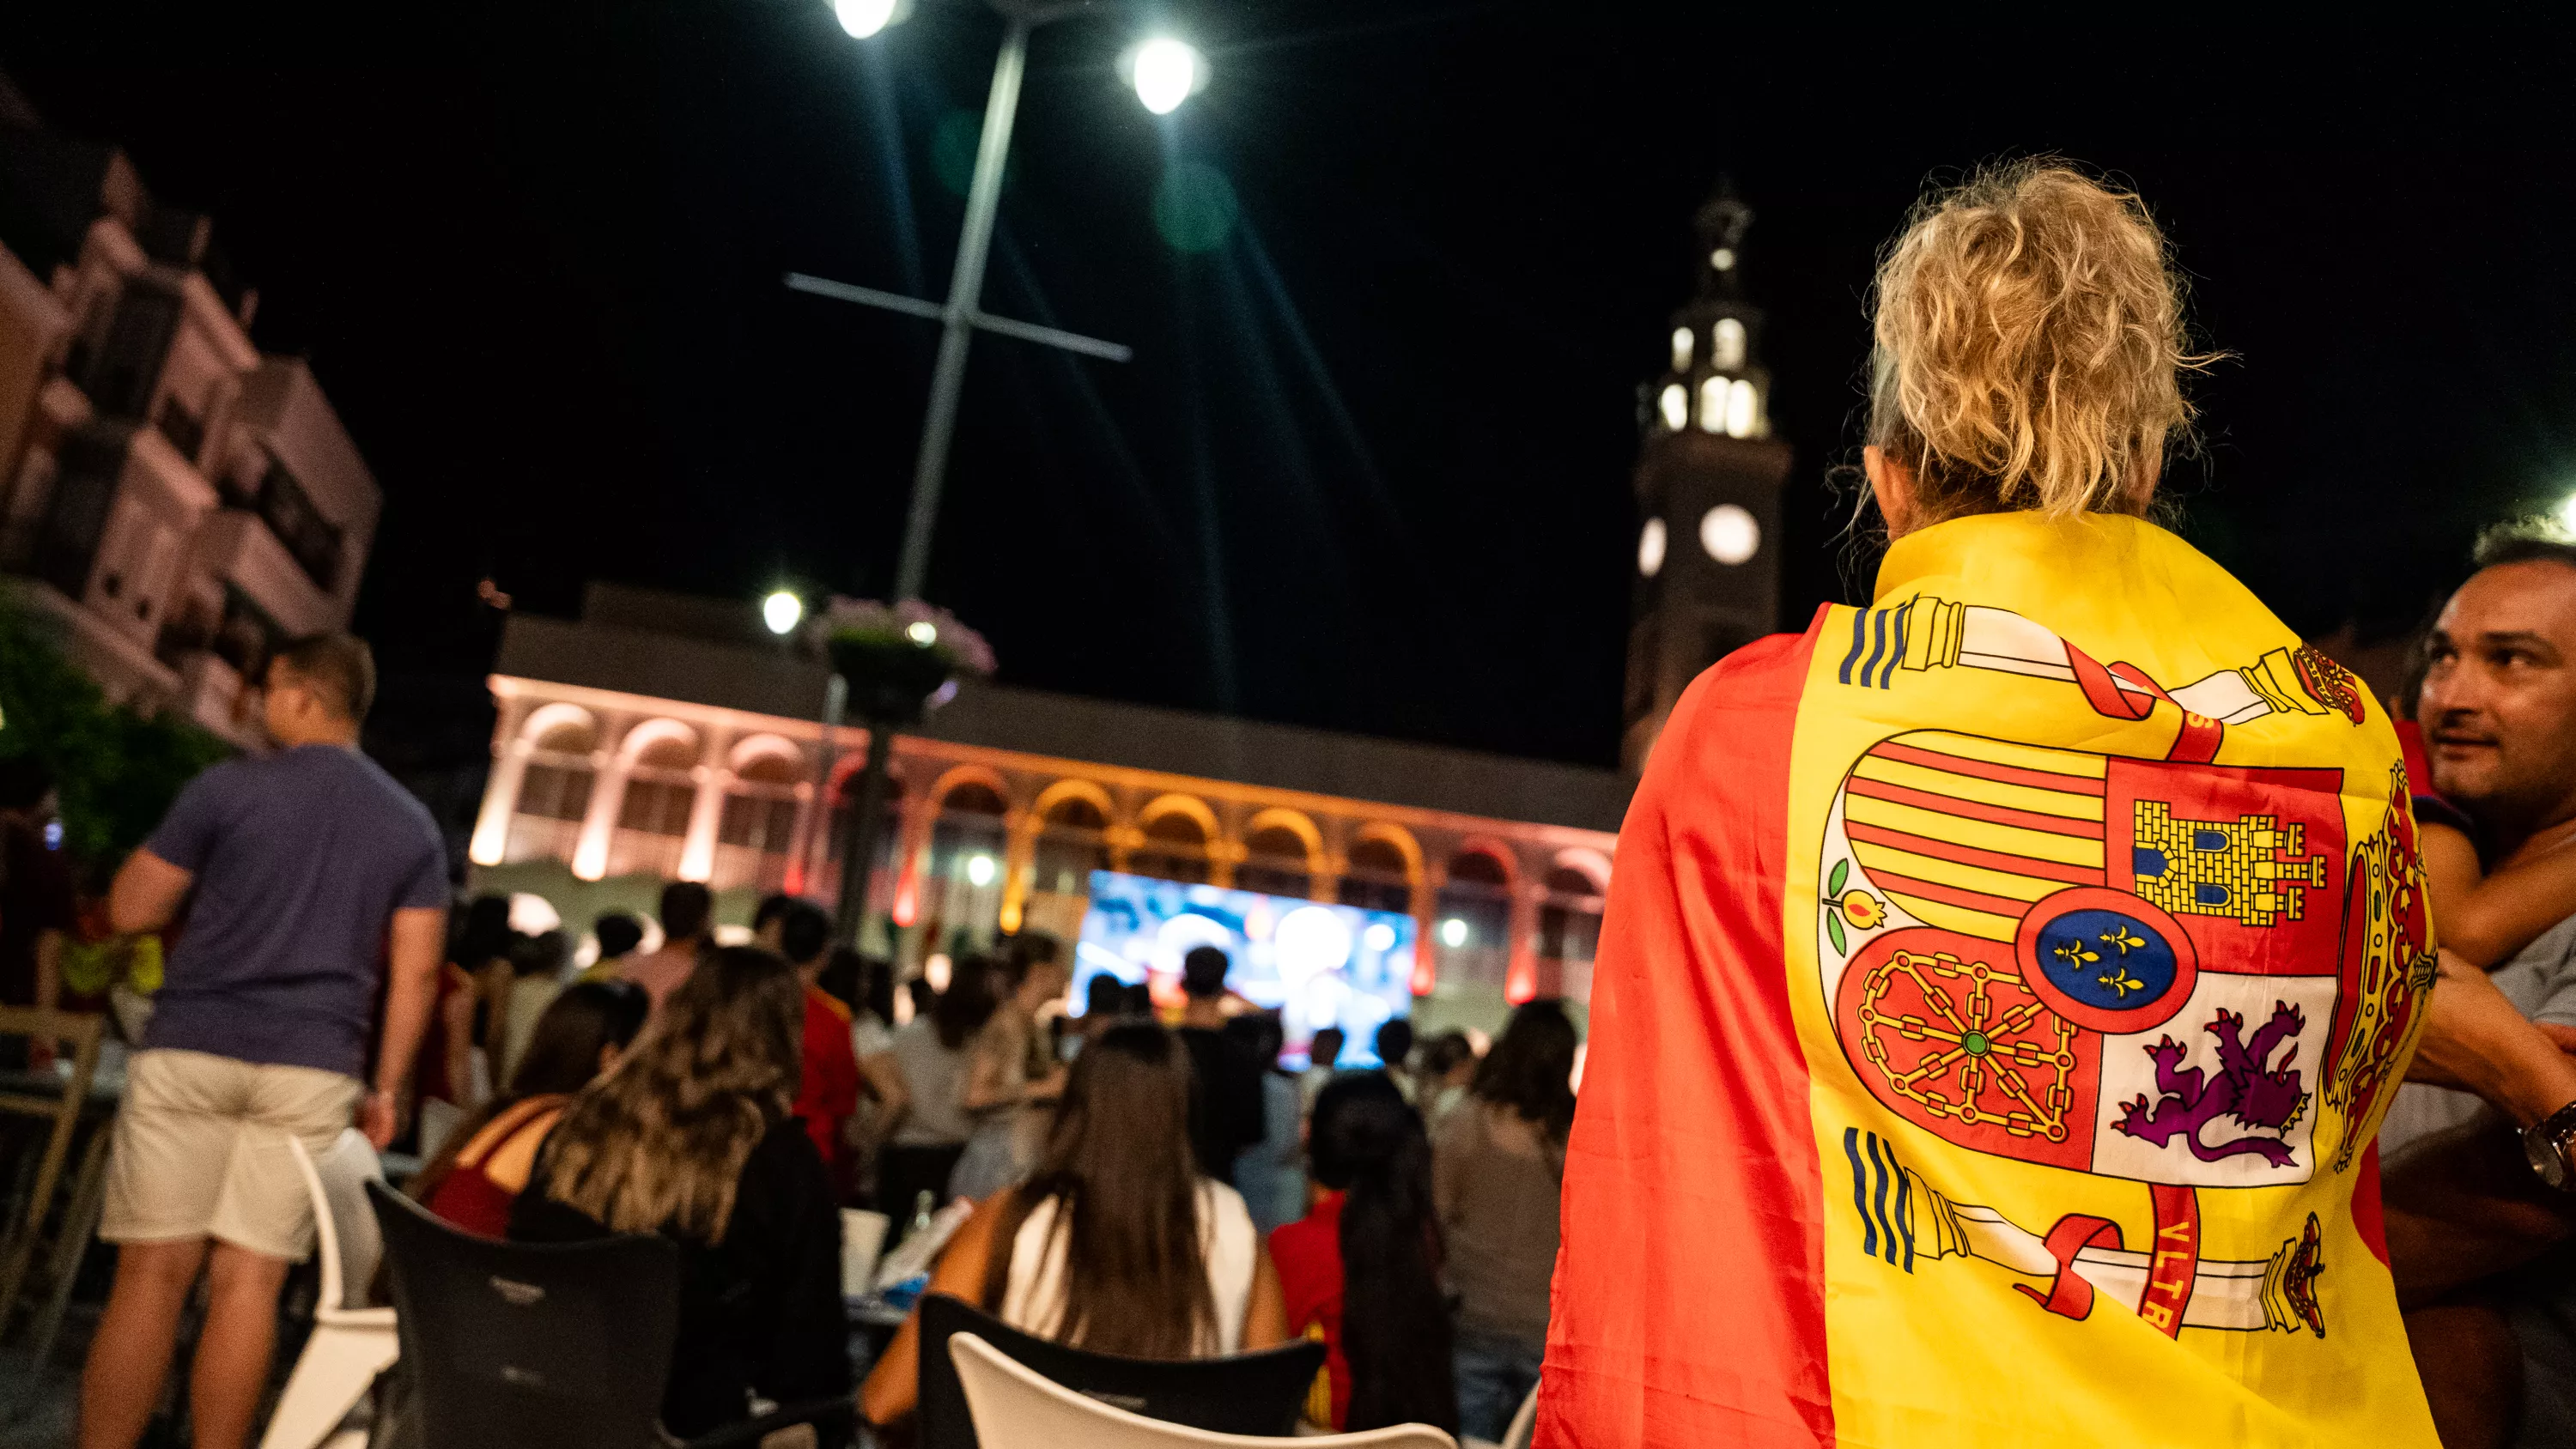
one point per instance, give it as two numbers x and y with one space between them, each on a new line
1383 1322
828 1093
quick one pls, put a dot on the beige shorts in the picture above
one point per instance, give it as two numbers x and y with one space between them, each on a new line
200 1150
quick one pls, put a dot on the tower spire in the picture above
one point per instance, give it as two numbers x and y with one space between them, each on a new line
1721 223
1708 484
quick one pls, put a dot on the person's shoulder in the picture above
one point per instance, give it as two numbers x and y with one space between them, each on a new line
392 796
832 1006
1226 1203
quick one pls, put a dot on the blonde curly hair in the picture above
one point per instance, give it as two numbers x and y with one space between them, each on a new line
2028 340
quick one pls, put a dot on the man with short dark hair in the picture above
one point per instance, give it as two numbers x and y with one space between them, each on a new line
2468 1219
688 925
619 934
1394 1042
1228 1116
307 870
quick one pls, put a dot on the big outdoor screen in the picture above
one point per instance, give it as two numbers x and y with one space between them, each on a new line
1316 965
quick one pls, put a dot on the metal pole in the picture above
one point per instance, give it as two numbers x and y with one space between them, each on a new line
965 299
816 848
859 855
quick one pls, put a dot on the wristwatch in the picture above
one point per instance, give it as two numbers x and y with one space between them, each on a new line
2549 1145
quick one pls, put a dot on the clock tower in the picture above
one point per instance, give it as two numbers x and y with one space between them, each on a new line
1708 483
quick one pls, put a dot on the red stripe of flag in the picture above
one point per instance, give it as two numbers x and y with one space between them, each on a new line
1988 770
1971 855
1966 900
1692 1178
1975 809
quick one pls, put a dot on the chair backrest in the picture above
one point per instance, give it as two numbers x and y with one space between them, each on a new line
351 1245
1247 1393
60 1097
544 1345
1017 1407
1524 1426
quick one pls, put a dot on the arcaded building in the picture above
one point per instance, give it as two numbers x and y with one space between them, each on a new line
665 738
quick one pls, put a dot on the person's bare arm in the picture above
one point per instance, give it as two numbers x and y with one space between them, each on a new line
2475 1040
893 1389
146 894
1265 1317
456 1012
2463 1205
885 1078
2498 916
419 940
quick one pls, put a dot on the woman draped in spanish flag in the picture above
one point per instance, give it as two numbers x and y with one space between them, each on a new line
2003 982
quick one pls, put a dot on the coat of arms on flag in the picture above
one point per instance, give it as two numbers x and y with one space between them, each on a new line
2110 965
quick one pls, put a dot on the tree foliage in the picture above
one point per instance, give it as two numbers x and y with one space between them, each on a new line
118 769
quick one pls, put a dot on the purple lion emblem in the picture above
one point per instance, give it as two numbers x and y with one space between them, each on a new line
2246 1088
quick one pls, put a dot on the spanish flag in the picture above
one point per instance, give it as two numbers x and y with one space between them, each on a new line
2001 988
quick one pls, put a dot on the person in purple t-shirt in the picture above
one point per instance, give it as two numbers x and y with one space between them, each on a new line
306 873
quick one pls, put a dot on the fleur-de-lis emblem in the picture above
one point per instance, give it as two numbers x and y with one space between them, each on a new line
2123 938
2120 981
2074 950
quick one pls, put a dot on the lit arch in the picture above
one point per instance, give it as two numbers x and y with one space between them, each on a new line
1176 804
1072 789
1295 823
1592 865
1401 840
762 747
546 719
650 733
1498 851
957 775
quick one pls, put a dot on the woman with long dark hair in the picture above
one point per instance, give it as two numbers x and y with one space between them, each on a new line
1116 1243
1499 1169
934 1052
485 1164
1362 1269
692 1137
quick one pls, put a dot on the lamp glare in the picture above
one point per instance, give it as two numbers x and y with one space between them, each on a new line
1167 72
1453 933
863 18
922 632
979 871
782 611
2567 514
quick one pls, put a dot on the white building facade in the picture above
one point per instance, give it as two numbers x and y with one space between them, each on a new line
172 502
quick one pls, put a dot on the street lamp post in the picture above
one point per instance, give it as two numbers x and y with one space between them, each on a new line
965 299
1166 72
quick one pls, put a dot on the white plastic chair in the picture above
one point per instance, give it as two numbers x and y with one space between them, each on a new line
1015 1407
1524 1424
351 1342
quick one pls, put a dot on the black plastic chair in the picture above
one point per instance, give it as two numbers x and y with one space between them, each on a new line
543 1345
1245 1393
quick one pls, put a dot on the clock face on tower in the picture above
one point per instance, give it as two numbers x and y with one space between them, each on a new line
1730 534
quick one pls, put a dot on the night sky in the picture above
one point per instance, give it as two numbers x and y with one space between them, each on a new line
1369 469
